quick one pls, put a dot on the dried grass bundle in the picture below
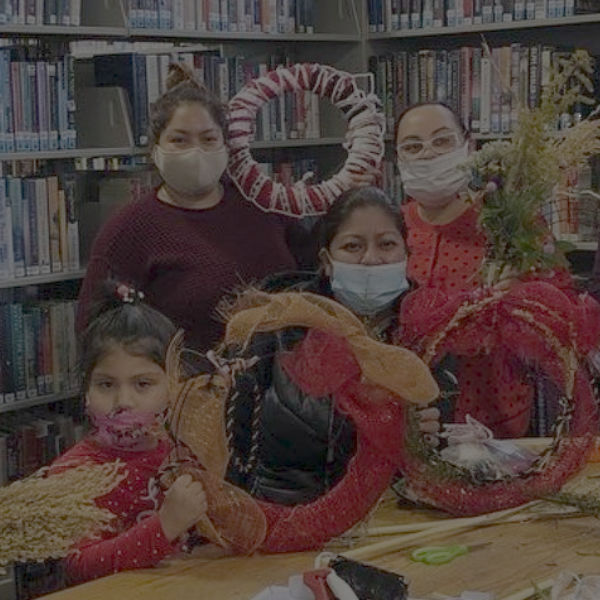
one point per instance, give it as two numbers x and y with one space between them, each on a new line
43 516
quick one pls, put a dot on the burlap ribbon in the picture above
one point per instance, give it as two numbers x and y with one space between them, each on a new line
394 368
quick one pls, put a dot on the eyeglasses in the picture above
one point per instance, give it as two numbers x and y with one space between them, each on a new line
438 144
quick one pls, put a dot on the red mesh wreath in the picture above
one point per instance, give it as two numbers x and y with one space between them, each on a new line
369 472
540 326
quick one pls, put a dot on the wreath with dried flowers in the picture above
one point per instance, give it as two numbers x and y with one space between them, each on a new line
364 137
546 335
545 329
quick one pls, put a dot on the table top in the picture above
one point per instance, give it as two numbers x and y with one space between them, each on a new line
517 555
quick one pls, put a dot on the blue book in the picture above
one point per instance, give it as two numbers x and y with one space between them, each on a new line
6 244
6 357
30 228
165 14
15 312
15 198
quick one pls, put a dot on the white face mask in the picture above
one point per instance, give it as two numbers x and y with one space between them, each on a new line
432 181
193 172
367 289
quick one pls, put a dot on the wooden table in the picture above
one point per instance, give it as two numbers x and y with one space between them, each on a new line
519 554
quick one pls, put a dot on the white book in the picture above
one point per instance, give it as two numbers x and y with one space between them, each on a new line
76 13
189 15
178 15
43 105
460 12
43 225
163 70
214 15
427 13
224 15
152 78
20 13
201 16
39 12
241 22
486 90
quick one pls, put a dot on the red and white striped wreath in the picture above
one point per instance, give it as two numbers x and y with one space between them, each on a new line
364 137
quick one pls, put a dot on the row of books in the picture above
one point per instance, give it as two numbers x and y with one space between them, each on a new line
38 354
395 15
34 438
486 91
40 12
266 16
37 99
39 228
144 76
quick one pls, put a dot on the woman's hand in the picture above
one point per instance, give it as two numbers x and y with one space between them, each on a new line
429 425
184 505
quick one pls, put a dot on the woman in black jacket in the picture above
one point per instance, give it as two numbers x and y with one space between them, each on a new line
291 445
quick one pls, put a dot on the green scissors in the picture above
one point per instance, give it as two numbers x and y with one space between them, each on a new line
440 555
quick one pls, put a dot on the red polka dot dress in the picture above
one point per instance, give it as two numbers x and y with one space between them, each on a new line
138 540
448 257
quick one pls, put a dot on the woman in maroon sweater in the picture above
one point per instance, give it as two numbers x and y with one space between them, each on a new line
195 238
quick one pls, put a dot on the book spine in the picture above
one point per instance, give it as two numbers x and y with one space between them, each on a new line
43 231
6 243
18 350
29 355
43 108
485 92
15 196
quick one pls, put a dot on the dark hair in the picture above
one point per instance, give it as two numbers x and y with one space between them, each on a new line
347 203
412 107
121 318
183 87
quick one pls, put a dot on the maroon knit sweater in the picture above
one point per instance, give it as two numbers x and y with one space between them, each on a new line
185 260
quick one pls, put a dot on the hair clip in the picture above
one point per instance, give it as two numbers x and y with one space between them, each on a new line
128 294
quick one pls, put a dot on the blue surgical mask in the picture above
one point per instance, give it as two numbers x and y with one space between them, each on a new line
368 289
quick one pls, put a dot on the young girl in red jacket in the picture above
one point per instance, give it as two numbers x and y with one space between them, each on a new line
126 394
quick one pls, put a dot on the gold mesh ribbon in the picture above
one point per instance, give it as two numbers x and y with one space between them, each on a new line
196 417
394 368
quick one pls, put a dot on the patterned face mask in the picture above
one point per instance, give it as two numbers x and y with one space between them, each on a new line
125 429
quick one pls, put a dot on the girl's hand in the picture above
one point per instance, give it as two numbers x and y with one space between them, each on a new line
429 425
184 505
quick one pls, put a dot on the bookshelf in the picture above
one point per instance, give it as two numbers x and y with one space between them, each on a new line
37 401
340 36
447 63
